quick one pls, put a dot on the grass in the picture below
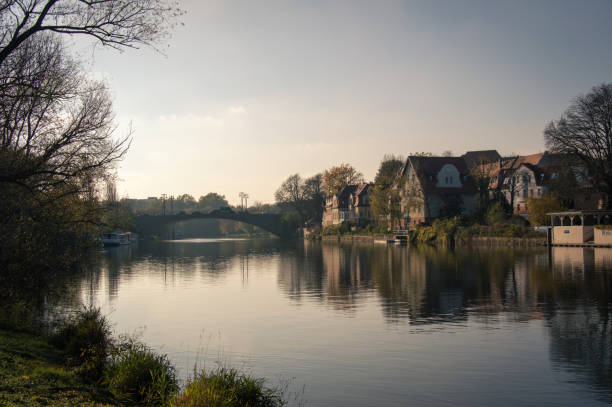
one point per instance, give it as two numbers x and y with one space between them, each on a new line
81 364
33 373
227 387
87 340
138 376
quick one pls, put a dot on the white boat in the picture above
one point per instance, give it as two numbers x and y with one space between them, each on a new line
115 238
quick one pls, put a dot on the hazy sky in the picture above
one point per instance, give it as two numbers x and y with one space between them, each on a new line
250 92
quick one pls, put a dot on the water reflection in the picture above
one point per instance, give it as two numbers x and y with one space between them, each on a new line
567 293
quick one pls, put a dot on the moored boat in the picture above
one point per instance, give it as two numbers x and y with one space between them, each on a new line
116 238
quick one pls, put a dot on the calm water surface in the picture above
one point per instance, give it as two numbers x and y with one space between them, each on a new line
364 324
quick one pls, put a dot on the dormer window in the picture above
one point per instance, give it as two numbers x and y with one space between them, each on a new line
449 177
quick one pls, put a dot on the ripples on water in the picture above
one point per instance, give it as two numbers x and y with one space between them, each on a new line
363 325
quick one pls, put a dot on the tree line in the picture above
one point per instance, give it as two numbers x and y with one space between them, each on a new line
59 143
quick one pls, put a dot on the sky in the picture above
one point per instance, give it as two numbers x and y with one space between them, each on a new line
247 93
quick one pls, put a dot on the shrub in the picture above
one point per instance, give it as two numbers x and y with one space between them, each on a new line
336 230
86 338
495 214
539 207
18 315
227 387
139 376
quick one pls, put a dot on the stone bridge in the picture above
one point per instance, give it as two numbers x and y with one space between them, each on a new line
272 223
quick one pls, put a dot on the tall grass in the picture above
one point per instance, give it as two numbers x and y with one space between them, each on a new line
139 376
228 387
86 338
135 375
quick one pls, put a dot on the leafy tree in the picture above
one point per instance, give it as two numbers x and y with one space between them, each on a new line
118 216
315 198
539 207
338 177
388 170
385 201
585 131
211 201
495 214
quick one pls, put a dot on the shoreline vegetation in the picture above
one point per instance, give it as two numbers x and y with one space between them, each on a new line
80 362
448 232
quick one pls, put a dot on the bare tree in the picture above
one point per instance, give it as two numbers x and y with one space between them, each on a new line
115 23
291 193
585 131
56 127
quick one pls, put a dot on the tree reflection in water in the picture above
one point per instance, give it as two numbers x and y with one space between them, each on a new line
422 287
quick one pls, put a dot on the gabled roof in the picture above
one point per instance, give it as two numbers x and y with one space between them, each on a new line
533 159
427 169
362 189
357 190
473 158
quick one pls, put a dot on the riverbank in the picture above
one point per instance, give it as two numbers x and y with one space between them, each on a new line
82 364
450 232
34 373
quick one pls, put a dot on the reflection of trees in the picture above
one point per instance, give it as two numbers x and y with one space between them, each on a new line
425 284
347 269
300 271
169 262
434 284
580 328
581 342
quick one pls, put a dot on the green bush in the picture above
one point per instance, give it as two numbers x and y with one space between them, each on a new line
138 376
337 230
227 387
18 315
86 338
495 214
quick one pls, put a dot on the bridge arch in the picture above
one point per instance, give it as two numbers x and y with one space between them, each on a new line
272 223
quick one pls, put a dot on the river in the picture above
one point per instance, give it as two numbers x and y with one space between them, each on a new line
364 324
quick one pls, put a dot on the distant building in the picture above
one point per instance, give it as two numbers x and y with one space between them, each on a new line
433 186
351 204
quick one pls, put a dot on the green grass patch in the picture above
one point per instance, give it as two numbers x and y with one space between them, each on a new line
227 387
33 373
139 376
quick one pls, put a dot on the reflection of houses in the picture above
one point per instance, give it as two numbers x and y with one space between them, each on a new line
572 261
346 274
433 186
351 204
